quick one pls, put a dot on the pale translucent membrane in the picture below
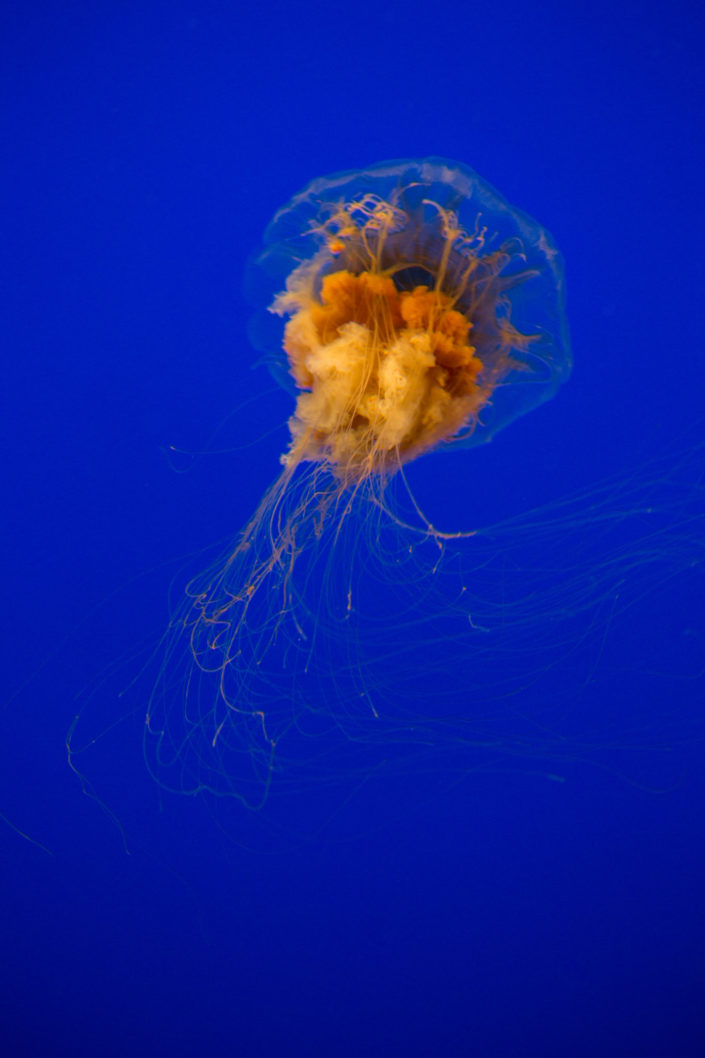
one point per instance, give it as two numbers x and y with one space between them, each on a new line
530 287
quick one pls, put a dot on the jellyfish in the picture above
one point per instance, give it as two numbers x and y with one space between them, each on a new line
408 309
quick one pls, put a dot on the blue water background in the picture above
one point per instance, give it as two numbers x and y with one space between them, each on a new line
527 907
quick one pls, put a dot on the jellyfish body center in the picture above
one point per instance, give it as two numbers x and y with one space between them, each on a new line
386 365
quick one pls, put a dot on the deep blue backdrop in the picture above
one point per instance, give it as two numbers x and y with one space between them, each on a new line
147 146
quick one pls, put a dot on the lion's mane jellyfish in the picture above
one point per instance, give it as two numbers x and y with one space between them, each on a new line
409 308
